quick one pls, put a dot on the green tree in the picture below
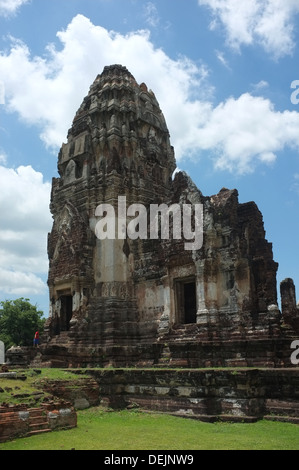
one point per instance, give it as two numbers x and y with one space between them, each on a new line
19 320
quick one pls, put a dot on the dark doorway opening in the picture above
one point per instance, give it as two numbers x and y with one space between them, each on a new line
186 301
190 302
66 312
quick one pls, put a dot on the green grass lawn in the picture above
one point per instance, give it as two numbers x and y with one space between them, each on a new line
131 430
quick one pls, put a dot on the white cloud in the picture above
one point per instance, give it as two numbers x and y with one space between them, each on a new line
9 7
25 223
269 23
221 57
261 85
151 14
247 130
20 283
2 158
238 133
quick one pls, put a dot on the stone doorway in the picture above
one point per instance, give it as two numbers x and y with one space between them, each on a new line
66 312
186 301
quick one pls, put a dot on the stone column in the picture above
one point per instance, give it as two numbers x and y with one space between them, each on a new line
2 353
202 311
289 309
164 324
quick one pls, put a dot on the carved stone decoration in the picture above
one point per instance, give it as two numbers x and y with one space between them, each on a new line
119 300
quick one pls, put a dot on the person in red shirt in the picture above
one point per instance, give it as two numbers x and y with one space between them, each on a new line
36 339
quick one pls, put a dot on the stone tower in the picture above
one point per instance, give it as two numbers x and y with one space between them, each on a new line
137 300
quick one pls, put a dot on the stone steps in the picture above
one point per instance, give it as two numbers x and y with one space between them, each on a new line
38 422
19 421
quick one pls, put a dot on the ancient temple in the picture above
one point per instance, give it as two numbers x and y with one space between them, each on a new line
147 298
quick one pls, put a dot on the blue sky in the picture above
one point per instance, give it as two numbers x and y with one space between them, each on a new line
222 71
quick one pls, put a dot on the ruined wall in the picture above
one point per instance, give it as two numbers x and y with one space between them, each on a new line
208 395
